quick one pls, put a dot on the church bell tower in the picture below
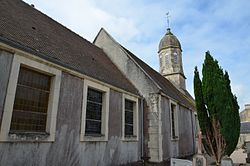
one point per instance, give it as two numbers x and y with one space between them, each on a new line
170 55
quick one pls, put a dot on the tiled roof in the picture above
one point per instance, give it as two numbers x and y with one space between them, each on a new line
26 28
245 127
166 86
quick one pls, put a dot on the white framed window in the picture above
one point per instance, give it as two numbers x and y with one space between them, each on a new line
130 121
95 112
173 107
31 101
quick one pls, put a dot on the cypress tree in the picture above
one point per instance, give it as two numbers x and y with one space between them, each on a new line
202 112
200 105
233 120
217 109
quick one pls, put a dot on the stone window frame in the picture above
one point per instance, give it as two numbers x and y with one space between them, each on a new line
31 102
135 136
49 135
105 111
176 120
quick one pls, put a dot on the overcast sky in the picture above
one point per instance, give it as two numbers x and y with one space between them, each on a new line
220 26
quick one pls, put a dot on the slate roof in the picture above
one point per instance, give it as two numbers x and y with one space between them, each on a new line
26 28
166 86
245 127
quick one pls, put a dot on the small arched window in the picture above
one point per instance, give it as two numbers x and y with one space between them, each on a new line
175 57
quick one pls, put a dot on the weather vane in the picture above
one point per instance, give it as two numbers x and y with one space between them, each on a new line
168 16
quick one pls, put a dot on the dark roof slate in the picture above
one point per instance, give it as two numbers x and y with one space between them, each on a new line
245 127
166 86
26 28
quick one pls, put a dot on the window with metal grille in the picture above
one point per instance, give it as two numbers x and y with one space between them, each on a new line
129 118
31 102
94 112
173 120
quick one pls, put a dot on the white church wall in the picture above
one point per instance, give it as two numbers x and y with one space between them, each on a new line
184 145
67 149
131 70
146 87
160 146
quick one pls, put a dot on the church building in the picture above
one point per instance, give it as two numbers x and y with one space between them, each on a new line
65 101
169 112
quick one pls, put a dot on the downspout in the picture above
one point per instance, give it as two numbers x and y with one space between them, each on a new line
142 130
160 129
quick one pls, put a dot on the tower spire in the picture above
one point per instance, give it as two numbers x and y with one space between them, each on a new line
171 58
168 16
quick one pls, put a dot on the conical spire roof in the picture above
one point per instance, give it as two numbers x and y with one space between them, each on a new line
169 41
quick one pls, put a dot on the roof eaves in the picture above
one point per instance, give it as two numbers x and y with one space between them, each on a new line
32 51
52 60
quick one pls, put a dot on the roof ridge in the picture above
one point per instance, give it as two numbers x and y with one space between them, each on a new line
171 84
135 59
125 50
121 72
160 75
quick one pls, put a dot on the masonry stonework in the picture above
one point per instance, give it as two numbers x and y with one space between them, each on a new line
67 148
170 55
5 69
157 139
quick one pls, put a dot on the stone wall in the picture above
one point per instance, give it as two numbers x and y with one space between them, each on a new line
186 132
5 68
158 145
144 84
245 114
167 145
67 149
170 69
154 128
184 145
127 66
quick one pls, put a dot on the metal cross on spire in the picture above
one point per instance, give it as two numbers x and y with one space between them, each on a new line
168 16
